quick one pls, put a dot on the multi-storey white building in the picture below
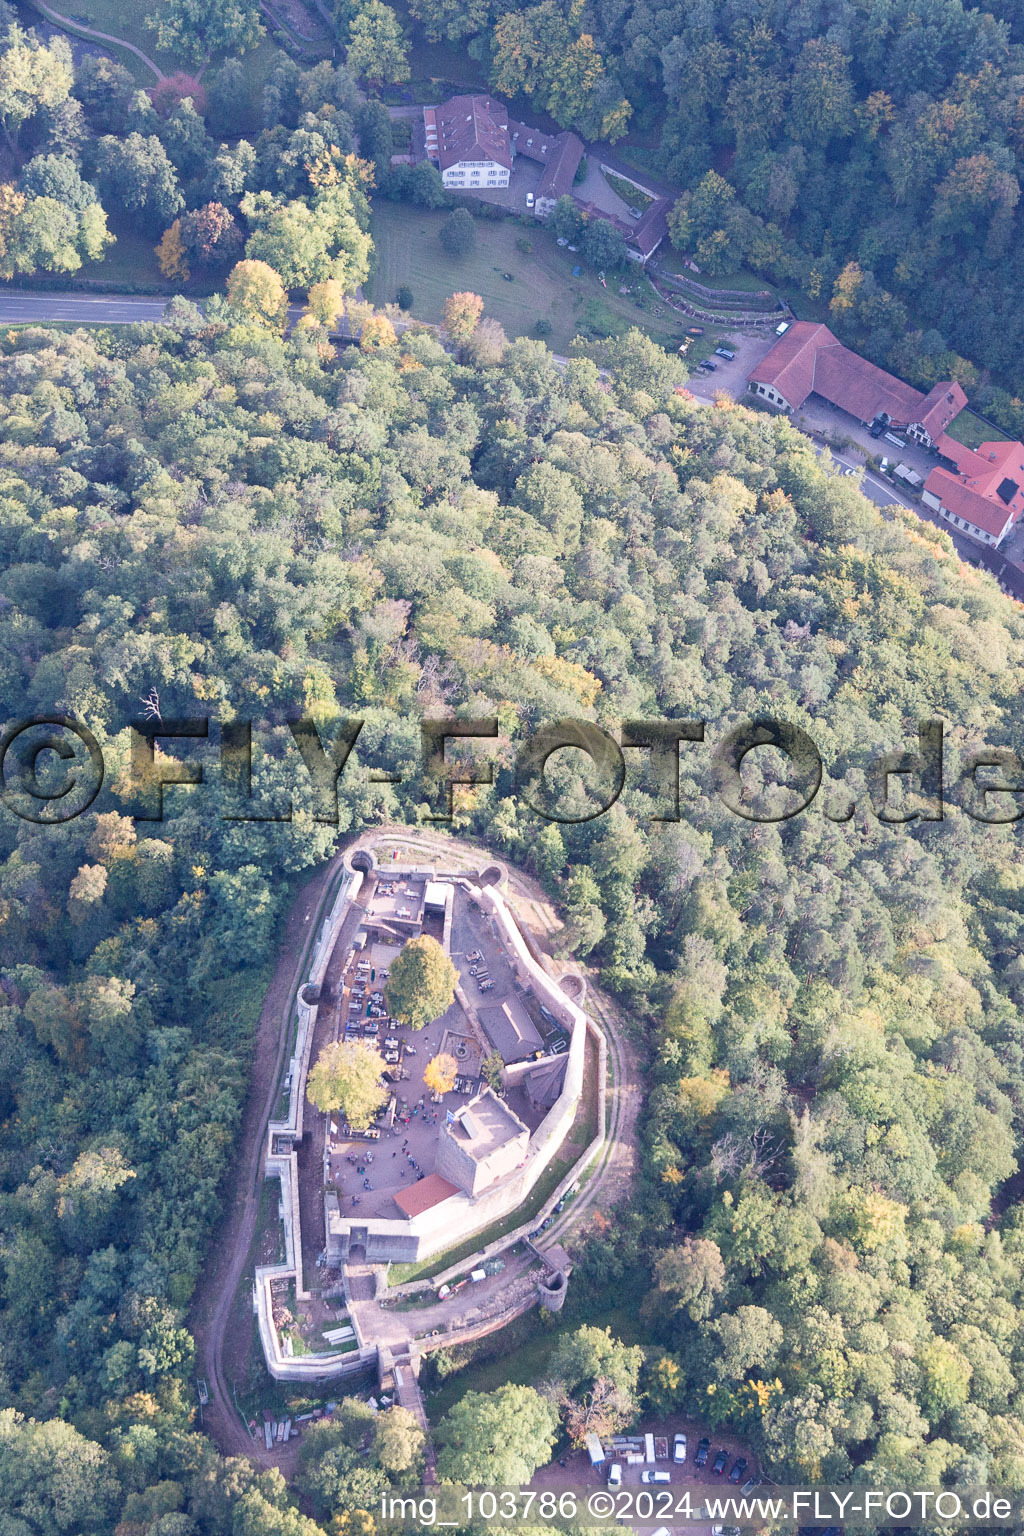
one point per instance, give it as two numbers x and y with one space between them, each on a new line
468 141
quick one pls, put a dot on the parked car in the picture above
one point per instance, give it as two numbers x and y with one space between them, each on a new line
679 1448
724 352
782 328
755 1482
720 1461
650 1476
615 1475
877 428
703 1448
709 366
529 199
738 1470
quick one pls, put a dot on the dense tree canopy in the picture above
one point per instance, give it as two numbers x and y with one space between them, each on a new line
887 135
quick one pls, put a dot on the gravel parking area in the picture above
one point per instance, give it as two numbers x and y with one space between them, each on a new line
577 1472
729 378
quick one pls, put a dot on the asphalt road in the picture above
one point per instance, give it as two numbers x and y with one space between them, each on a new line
19 308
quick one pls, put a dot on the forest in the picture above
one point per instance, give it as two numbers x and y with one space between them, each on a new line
223 521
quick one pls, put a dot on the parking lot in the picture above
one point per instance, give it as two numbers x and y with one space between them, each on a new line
573 1469
729 377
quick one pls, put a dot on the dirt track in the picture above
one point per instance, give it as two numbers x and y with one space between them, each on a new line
212 1305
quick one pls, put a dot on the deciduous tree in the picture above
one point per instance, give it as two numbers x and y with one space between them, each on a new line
255 290
421 985
499 1437
347 1076
440 1073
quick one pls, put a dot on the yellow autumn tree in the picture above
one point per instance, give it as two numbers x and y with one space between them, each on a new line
462 313
170 253
440 1073
377 333
325 303
257 292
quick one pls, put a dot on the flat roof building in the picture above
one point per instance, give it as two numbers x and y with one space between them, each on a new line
481 1143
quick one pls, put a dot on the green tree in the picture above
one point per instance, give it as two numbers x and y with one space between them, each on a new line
398 1440
53 1480
566 220
33 76
135 173
603 245
498 1437
690 1274
309 242
377 49
255 290
347 1076
421 985
199 29
458 234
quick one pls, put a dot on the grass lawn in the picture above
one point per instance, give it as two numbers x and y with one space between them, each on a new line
131 260
408 252
526 1362
972 431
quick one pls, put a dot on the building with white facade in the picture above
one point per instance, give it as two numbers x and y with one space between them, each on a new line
982 494
468 141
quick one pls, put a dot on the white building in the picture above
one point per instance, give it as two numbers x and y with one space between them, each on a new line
468 141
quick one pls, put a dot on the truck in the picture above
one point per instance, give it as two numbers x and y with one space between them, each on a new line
594 1450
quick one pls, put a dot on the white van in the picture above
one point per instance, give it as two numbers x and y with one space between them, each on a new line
615 1475
647 1476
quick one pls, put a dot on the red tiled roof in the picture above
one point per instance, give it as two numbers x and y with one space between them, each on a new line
560 165
941 405
789 366
809 359
988 488
424 1194
653 227
472 128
